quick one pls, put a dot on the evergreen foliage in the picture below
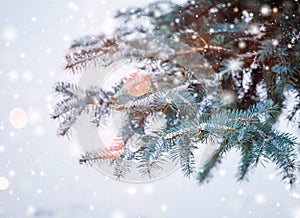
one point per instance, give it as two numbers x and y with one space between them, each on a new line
243 72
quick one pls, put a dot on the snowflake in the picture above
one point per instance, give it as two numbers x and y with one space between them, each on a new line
258 31
265 10
231 66
247 17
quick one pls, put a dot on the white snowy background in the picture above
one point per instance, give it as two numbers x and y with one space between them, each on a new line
39 172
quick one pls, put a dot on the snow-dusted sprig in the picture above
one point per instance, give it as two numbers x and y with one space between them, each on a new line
153 116
152 158
180 97
123 166
160 13
205 173
183 153
76 101
280 148
99 156
66 90
148 157
87 50
111 49
293 114
249 131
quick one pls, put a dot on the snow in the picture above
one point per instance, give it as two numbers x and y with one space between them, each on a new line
265 10
39 172
242 45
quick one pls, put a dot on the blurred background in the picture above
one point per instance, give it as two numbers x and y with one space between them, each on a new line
39 172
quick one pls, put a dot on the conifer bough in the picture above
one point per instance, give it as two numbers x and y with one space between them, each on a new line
238 72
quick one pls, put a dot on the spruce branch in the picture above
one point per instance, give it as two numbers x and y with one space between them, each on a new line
75 102
86 50
97 156
252 60
205 172
152 158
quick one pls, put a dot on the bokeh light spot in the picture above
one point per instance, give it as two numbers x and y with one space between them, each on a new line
18 118
131 190
4 183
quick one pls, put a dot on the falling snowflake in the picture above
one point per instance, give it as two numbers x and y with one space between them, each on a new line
231 66
265 10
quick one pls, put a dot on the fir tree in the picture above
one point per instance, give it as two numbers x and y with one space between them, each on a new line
238 72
